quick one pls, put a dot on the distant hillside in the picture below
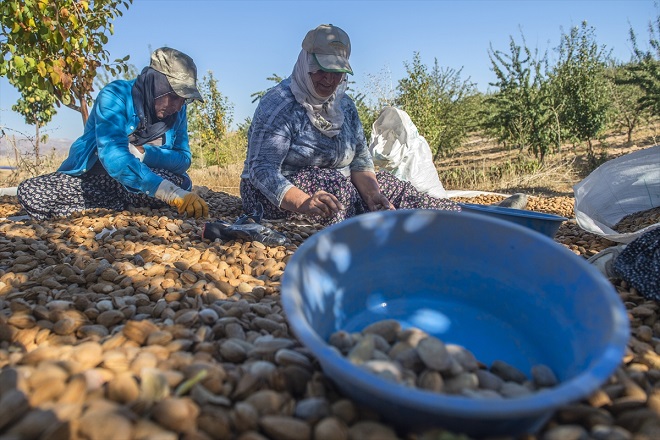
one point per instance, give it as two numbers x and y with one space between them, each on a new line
55 146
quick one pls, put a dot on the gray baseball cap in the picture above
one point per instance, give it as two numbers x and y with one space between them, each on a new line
180 71
331 48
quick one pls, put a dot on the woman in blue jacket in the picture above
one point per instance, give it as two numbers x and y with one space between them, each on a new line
134 151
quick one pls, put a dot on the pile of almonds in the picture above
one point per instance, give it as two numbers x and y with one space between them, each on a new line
127 325
414 358
562 206
635 222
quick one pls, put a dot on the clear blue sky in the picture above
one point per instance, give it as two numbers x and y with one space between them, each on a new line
244 42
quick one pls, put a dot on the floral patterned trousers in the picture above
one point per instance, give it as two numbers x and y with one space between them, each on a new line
59 195
402 194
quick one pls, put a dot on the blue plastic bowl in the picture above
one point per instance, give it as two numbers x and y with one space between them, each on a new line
547 224
497 288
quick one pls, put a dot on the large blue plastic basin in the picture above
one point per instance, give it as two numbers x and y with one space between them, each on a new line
547 224
499 289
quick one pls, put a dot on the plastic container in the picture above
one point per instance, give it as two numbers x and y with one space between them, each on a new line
547 224
495 287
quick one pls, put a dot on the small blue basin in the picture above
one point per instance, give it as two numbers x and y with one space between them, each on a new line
547 224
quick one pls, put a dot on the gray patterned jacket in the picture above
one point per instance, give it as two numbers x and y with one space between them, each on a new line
282 141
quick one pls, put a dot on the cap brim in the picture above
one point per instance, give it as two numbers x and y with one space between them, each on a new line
185 90
333 63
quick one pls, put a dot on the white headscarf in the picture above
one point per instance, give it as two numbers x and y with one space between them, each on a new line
324 113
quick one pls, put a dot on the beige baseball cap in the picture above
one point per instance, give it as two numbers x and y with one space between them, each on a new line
180 70
331 48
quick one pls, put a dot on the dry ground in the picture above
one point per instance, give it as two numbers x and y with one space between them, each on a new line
153 332
556 177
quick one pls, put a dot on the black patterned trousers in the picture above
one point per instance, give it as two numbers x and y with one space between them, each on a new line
59 195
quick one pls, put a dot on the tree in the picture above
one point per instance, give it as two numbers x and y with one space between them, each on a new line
518 113
628 108
256 96
37 108
379 94
208 122
645 68
436 101
579 80
244 127
57 46
366 113
103 78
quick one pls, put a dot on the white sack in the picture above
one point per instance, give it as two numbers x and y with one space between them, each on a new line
397 147
619 187
9 191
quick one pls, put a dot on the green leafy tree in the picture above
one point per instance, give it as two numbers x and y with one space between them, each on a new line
244 127
256 96
378 94
367 113
628 108
645 68
579 81
103 77
518 114
476 103
57 46
208 123
37 108
554 104
437 102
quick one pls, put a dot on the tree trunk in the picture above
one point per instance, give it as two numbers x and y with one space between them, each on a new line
630 130
84 111
632 123
558 130
36 143
17 154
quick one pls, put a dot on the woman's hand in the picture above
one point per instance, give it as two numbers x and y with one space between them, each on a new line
367 185
378 202
185 202
322 204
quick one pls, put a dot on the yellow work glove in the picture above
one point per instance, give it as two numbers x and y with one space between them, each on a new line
192 205
184 201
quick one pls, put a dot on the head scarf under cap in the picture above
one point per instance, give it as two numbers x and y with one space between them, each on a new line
149 85
324 113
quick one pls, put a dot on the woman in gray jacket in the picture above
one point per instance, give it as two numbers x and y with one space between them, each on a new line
307 153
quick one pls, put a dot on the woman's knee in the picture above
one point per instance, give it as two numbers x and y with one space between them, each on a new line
25 190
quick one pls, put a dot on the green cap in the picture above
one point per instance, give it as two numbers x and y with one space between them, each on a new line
331 48
180 71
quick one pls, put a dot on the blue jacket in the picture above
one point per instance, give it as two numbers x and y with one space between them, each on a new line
105 138
282 141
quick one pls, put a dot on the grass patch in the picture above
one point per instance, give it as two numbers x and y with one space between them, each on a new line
518 173
225 178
